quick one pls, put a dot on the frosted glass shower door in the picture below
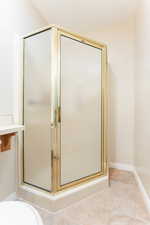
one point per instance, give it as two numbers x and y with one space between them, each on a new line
37 106
80 148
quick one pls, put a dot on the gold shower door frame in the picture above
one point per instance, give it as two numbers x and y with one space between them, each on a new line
55 123
56 109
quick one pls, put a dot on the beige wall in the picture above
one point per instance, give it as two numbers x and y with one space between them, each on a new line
16 18
142 93
120 41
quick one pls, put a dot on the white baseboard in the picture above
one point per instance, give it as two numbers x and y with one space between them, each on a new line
11 197
142 189
131 168
122 166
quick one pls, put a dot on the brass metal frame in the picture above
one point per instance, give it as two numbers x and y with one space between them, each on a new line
57 32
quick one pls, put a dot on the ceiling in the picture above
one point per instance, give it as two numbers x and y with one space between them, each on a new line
85 14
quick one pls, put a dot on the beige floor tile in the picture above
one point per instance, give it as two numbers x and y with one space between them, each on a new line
126 220
64 220
122 176
121 204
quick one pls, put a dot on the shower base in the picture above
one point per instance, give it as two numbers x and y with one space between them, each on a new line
62 199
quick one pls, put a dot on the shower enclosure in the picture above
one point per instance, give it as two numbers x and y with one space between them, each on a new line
64 109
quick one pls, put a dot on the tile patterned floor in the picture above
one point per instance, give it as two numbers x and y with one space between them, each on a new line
120 204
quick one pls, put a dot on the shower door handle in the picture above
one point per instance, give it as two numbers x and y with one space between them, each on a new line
59 114
53 156
53 118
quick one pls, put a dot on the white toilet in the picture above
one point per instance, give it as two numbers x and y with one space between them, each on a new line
18 213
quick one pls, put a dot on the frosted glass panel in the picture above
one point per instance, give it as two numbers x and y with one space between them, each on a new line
37 157
80 110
